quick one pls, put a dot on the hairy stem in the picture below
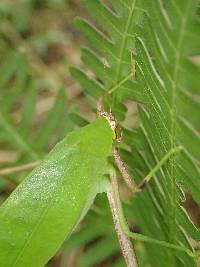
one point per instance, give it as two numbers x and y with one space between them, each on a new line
118 214
125 243
123 168
172 151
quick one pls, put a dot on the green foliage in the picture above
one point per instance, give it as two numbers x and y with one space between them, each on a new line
164 36
22 135
140 51
52 200
115 45
164 53
15 67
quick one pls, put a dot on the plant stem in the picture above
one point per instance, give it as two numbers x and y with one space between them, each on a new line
23 167
119 214
123 168
115 87
172 151
125 243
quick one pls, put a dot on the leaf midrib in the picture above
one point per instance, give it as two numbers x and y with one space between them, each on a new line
175 81
123 43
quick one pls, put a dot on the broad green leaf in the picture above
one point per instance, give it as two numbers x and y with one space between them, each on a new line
46 207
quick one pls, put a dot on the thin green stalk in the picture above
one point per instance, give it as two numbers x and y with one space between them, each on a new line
138 236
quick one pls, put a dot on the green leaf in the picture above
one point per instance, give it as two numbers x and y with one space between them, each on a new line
15 137
92 87
51 121
15 68
46 207
8 68
28 110
99 252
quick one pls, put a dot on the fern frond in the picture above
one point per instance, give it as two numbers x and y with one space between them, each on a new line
164 52
110 59
164 36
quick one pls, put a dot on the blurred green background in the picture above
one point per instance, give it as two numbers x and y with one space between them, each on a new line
37 44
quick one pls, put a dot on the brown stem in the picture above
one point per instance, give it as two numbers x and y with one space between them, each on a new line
124 241
123 168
